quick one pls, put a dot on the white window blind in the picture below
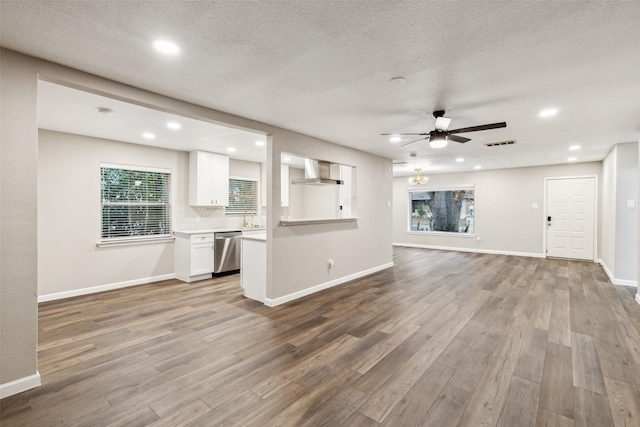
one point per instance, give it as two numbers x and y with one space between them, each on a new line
135 203
243 196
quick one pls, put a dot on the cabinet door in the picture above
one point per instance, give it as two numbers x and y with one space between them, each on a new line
201 258
200 179
284 185
219 180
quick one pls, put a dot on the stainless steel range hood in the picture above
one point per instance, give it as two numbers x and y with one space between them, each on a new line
317 172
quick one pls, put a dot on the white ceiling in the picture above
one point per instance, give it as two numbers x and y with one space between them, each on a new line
64 109
324 69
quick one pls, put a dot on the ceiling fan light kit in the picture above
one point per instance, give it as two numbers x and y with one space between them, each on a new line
440 136
438 139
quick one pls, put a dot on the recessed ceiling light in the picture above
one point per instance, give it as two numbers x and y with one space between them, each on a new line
287 159
174 125
459 159
572 159
574 147
148 135
166 47
231 150
548 112
259 143
395 138
477 167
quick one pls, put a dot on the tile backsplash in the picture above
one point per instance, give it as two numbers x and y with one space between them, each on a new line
203 217
197 217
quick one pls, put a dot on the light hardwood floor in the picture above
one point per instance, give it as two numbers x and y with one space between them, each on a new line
441 339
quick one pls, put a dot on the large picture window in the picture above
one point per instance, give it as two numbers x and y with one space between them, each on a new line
448 210
136 203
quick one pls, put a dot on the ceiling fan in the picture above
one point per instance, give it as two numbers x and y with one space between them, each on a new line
439 137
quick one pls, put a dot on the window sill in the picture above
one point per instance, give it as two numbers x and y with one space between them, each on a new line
134 242
441 233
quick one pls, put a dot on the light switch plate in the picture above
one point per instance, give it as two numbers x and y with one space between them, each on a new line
631 203
534 206
388 204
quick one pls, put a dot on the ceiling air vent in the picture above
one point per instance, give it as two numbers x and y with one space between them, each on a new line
493 144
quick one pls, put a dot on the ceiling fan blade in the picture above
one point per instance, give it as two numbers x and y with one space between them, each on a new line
477 128
442 123
389 134
460 139
407 143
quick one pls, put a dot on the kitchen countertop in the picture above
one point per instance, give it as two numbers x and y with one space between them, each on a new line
262 237
218 230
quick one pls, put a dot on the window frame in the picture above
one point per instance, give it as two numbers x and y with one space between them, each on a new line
143 239
256 210
420 189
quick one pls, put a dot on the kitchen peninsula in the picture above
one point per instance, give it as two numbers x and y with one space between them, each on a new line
253 275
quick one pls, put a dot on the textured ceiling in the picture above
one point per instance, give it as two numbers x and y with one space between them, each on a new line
324 68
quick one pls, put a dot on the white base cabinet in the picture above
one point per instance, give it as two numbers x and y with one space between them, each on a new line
253 274
194 257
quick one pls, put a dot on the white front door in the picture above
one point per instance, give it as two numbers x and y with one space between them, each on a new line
570 217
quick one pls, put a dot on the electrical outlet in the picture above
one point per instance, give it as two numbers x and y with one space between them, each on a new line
330 263
631 203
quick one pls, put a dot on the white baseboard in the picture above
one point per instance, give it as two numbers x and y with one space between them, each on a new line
481 251
613 279
102 288
290 297
638 298
19 385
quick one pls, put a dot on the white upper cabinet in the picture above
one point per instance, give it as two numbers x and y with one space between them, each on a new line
208 179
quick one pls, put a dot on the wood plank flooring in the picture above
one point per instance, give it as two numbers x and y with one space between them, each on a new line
441 339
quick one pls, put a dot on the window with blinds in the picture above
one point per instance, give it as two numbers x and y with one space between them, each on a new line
243 196
135 203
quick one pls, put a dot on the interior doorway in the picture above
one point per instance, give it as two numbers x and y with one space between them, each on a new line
570 217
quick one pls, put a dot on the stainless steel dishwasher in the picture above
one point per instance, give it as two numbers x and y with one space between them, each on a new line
227 252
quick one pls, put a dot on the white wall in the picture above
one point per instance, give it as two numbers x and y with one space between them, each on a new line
626 236
18 225
69 216
298 255
607 233
504 218
619 237
244 169
296 196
